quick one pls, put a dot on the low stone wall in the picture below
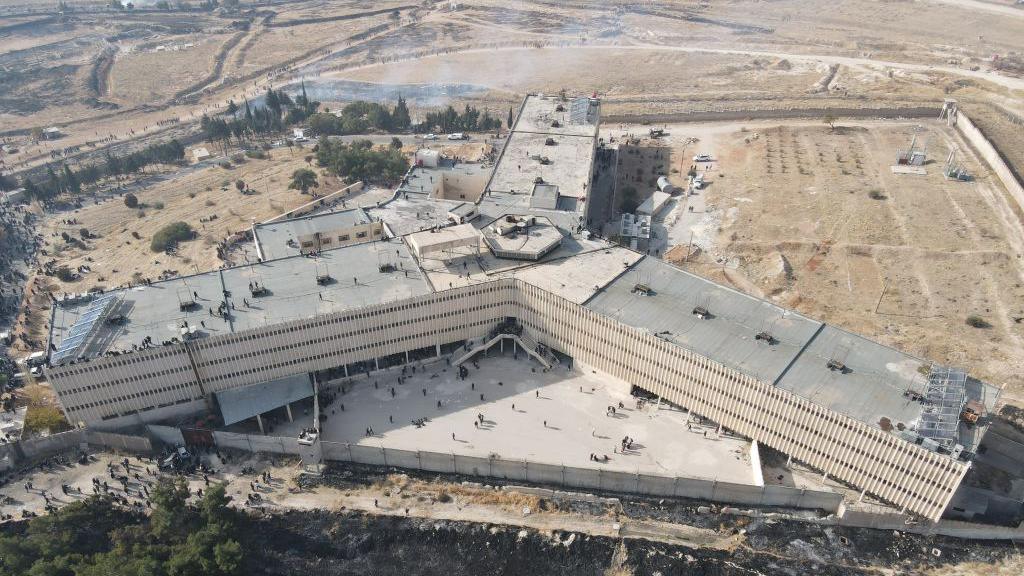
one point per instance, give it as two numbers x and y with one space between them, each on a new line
988 152
311 206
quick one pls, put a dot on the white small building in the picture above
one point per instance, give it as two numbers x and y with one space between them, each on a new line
653 205
445 240
200 154
463 212
52 133
428 158
299 134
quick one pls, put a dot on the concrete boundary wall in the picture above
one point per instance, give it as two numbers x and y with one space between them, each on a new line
773 114
990 154
25 451
581 478
314 204
166 434
257 443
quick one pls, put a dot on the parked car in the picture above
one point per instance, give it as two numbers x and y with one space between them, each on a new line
458 136
702 158
430 137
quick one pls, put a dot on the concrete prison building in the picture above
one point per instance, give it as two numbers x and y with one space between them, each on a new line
244 340
780 389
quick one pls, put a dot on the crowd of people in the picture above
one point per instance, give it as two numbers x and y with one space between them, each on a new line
19 243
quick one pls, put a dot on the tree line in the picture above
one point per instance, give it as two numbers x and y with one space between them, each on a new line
449 120
361 161
361 117
95 537
65 180
247 122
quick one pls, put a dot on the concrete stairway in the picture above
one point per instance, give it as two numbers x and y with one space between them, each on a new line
524 341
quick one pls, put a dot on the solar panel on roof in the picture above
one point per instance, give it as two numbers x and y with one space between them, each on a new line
579 111
79 332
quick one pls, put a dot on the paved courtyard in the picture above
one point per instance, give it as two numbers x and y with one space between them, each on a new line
558 417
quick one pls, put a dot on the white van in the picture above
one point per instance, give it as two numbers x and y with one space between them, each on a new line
36 358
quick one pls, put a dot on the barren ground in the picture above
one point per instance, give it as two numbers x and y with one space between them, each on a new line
815 219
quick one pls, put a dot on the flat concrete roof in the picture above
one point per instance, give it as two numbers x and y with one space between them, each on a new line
540 112
280 239
494 205
869 389
727 336
413 212
293 293
570 160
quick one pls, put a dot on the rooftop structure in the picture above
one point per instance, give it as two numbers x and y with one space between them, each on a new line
570 116
522 237
545 196
308 234
562 161
444 240
635 226
654 204
464 212
552 145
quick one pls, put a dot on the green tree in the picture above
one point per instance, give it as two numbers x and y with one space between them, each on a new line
131 201
303 179
240 185
232 108
31 190
168 237
400 118
170 518
69 181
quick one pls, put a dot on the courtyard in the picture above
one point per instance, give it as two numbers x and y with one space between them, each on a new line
511 407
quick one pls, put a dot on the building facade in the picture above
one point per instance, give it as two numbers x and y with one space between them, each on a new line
143 385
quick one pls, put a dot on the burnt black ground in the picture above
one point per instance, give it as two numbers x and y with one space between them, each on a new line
344 543
324 543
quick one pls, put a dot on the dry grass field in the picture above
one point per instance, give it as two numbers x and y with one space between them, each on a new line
118 257
815 219
268 47
132 81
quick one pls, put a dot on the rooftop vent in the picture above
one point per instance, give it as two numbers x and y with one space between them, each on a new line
323 275
257 289
836 365
187 299
643 289
766 336
701 312
549 142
